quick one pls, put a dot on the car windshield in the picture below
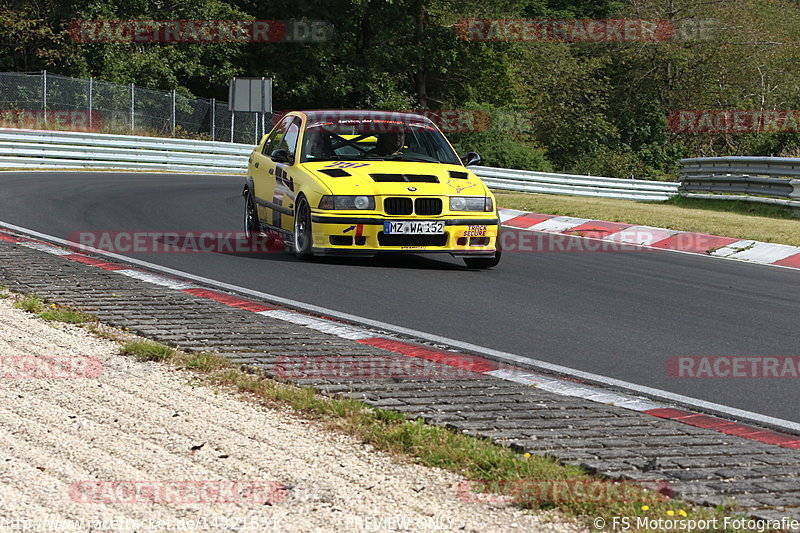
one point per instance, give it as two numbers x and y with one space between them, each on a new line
375 139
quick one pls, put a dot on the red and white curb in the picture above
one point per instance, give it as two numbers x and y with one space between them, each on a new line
658 238
463 361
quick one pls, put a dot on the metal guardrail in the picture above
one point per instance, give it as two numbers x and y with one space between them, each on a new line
576 185
67 149
771 180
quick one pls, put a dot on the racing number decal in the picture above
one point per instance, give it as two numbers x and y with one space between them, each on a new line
344 164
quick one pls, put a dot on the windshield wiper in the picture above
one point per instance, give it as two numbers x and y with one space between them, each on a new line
335 158
373 157
417 159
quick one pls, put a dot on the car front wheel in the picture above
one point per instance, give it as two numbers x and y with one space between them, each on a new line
485 262
303 240
251 225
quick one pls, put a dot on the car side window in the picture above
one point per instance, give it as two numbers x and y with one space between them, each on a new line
288 140
271 144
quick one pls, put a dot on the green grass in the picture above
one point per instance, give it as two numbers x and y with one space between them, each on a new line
531 482
736 206
203 362
741 220
105 332
30 303
488 466
69 316
145 350
53 312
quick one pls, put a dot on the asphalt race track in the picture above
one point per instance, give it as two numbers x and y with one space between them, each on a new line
619 314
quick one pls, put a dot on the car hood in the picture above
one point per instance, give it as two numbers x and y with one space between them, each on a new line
382 178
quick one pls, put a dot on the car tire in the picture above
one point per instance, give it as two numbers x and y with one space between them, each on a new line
483 262
303 237
486 262
252 227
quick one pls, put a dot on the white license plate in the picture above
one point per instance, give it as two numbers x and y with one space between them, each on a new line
413 227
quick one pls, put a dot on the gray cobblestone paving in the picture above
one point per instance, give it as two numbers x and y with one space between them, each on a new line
701 465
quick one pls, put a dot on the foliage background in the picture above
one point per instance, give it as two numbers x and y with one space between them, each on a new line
599 108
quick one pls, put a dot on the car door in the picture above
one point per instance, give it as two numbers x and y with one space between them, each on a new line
282 179
263 173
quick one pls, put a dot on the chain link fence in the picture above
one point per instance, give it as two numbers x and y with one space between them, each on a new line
41 100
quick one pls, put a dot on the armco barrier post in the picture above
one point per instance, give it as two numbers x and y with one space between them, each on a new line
91 80
795 194
213 116
132 109
44 94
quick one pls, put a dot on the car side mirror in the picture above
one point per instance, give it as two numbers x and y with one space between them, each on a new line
281 156
471 158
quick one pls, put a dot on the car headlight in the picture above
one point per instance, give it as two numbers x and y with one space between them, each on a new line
471 203
347 202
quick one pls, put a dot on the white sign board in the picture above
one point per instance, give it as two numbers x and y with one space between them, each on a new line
250 94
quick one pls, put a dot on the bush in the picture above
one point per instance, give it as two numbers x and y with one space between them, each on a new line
503 151
505 140
610 163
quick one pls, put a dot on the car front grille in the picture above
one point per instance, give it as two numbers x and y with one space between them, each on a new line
412 240
428 206
398 206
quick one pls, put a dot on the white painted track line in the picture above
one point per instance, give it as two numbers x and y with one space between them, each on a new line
498 355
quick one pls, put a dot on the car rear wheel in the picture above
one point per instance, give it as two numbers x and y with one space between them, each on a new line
303 241
251 225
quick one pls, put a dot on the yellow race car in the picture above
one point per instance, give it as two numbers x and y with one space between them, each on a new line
364 182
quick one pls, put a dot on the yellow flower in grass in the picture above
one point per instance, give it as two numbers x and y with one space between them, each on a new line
645 507
671 513
682 513
527 455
